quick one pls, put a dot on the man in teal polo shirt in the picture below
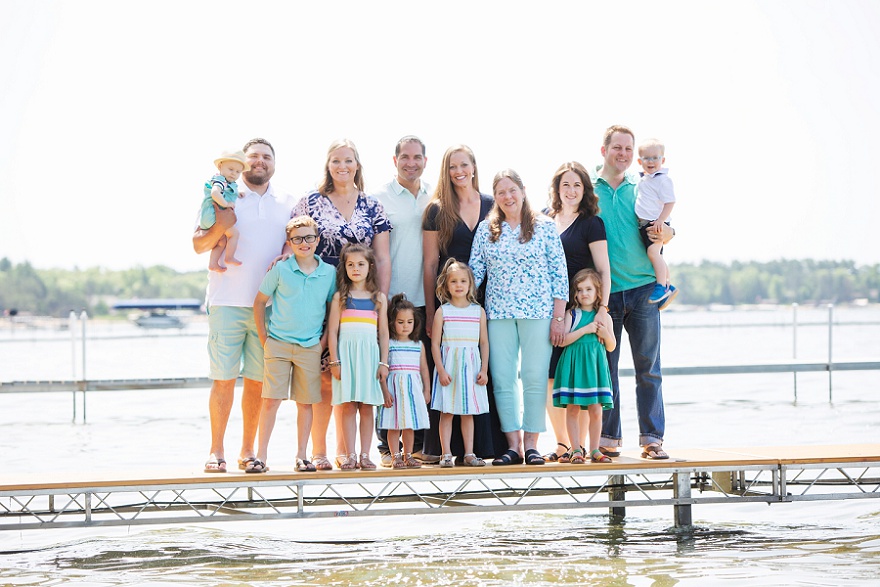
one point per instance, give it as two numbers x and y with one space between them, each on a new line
300 288
632 281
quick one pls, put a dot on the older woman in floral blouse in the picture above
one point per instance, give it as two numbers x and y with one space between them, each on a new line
520 256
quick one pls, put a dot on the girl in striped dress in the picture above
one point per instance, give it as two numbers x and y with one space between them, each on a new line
358 341
461 358
409 383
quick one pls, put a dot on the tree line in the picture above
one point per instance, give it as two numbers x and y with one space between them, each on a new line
55 292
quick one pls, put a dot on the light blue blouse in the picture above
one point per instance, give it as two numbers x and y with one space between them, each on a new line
522 279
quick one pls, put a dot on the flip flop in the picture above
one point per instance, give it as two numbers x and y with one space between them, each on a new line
245 462
533 457
257 466
215 465
510 457
305 466
609 452
654 452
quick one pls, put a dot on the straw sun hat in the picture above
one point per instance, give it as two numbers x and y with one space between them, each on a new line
233 156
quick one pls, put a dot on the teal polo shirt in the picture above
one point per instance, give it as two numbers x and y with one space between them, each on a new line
299 301
630 265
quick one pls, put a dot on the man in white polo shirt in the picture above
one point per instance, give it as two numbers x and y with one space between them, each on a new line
405 198
234 348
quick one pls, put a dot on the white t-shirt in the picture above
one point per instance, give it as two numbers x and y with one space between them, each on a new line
260 221
653 192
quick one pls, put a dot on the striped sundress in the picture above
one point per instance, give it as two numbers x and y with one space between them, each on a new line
358 352
460 351
409 412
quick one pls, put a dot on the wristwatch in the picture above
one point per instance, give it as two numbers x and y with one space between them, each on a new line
558 318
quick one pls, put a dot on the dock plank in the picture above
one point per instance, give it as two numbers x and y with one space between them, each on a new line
629 461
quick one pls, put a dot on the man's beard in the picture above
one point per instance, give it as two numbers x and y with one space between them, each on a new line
259 180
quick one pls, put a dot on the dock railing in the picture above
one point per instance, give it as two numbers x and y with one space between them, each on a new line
83 385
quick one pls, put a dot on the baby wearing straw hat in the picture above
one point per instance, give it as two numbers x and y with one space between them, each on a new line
223 191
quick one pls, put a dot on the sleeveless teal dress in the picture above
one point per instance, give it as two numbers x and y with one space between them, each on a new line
582 376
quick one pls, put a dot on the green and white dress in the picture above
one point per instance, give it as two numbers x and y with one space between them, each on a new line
582 376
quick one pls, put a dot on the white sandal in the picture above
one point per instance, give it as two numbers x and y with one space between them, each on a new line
447 461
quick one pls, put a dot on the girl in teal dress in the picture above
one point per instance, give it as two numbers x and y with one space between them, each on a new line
582 380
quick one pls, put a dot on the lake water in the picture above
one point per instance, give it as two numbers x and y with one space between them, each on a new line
822 543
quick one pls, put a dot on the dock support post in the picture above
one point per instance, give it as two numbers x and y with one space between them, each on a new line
681 489
88 504
617 492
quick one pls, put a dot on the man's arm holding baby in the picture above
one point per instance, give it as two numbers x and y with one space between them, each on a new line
205 240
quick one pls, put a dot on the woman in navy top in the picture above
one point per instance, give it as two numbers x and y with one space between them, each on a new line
575 208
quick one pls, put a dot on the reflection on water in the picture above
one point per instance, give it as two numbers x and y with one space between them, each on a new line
532 549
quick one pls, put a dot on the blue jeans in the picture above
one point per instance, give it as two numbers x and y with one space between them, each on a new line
630 309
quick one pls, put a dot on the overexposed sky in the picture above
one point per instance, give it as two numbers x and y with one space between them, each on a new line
111 113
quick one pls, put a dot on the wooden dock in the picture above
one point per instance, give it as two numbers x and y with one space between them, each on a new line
692 477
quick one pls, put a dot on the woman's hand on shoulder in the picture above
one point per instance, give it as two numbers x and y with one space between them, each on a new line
279 259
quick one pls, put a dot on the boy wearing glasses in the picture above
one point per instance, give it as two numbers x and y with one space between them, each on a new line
300 288
654 201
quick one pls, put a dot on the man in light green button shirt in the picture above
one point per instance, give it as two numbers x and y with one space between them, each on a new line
405 198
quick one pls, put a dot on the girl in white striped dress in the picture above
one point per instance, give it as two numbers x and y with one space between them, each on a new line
408 383
461 358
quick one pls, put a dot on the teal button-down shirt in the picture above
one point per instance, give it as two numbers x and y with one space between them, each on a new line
630 265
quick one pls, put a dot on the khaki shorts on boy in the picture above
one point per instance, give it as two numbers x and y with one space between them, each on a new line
280 356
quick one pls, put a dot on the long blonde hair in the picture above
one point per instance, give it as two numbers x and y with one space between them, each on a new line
325 187
451 266
444 198
343 283
496 215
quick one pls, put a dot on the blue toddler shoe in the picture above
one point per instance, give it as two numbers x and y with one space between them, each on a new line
659 294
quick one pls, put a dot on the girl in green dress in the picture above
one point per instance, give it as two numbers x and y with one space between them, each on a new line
582 380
